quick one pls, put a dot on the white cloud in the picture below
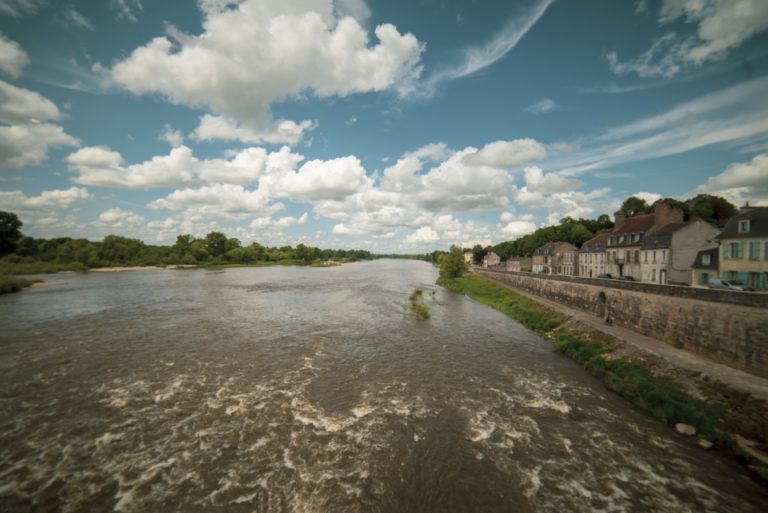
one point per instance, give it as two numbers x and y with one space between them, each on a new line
225 200
261 51
512 227
12 57
477 58
649 197
19 105
57 199
319 180
282 131
171 136
119 218
25 145
538 181
268 222
20 8
424 235
508 154
541 106
127 9
721 26
740 182
72 18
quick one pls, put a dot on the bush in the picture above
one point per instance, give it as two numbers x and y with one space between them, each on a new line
13 284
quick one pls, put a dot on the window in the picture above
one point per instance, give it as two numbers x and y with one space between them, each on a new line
732 251
621 240
706 260
704 278
653 274
664 257
765 251
636 237
645 257
744 226
754 250
637 256
654 257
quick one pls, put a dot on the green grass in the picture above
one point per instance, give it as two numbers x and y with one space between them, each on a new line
7 268
416 305
660 397
13 284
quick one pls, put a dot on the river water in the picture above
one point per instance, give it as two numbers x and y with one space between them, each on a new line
310 390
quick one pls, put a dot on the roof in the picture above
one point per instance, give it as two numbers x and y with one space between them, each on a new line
596 244
550 248
713 259
662 238
758 224
635 224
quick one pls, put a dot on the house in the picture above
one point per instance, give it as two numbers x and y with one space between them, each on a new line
550 258
668 252
569 263
625 243
491 259
520 264
468 257
744 248
705 267
592 256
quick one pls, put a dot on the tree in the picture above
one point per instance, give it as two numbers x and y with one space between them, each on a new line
216 244
452 265
712 209
10 232
633 206
478 253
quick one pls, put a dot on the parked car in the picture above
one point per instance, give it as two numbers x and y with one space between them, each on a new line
717 283
625 278
605 276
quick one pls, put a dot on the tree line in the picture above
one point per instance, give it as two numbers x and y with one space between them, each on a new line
39 255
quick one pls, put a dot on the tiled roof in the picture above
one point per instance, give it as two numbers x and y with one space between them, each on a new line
595 244
662 238
758 224
551 248
713 258
636 224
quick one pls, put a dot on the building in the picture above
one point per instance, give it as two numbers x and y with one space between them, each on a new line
668 252
592 256
491 259
744 248
705 267
569 263
468 256
520 264
551 258
625 243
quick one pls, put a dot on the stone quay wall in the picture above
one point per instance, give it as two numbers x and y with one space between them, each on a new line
728 327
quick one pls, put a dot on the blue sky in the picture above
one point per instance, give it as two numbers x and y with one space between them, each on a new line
401 126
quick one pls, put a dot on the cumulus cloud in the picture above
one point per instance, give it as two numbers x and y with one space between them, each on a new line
171 136
119 218
541 106
56 199
538 181
224 200
19 105
282 131
721 26
12 57
649 197
25 145
424 235
513 227
267 222
741 182
256 52
508 153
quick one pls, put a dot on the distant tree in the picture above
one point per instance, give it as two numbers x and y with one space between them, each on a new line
10 232
713 209
478 253
633 206
216 244
452 264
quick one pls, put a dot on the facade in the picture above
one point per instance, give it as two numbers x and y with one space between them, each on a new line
468 258
744 248
670 251
520 264
705 267
491 260
592 256
569 265
625 244
551 258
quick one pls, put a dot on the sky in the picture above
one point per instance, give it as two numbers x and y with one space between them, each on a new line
390 125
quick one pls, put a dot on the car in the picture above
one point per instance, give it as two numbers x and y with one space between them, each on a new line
718 283
605 276
625 278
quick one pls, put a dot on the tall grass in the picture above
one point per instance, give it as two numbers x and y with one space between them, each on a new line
660 397
416 305
13 284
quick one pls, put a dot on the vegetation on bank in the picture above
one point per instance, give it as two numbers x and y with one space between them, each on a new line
13 284
20 254
661 397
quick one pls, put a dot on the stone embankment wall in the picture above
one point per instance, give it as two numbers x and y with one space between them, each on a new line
724 326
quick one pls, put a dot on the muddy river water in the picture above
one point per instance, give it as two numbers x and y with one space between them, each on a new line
288 389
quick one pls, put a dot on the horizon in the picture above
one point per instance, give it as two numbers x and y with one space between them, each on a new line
381 126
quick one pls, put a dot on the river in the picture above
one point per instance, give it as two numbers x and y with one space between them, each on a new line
310 390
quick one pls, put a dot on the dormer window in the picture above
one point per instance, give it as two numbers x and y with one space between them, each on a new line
706 259
621 239
744 226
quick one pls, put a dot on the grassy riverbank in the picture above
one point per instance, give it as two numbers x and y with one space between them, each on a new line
661 397
13 284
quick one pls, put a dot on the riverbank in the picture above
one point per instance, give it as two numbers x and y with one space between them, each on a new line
729 416
10 284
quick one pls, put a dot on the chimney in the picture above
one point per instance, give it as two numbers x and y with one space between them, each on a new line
664 214
620 217
745 208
